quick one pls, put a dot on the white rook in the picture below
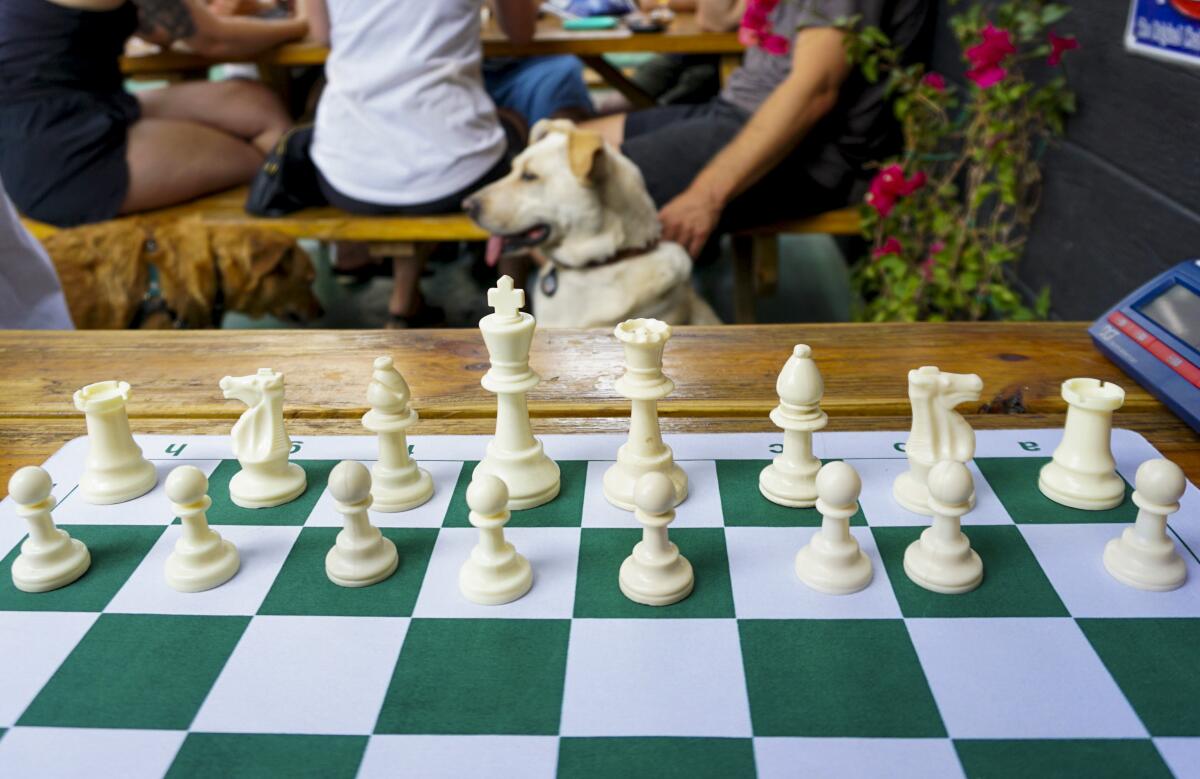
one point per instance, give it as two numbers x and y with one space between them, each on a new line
1083 473
115 470
514 456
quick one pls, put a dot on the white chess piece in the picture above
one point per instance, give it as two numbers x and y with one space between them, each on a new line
361 556
1083 472
1144 556
832 561
115 470
942 559
49 558
397 484
495 572
938 431
514 455
644 384
790 480
261 444
201 559
656 574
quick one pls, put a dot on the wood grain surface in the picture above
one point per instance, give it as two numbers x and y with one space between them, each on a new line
725 379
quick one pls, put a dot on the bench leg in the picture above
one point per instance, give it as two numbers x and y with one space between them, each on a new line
516 266
765 250
743 279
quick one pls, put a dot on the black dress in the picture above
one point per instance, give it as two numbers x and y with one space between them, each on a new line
64 113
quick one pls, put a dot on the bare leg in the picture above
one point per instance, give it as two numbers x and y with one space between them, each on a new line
406 273
611 127
243 109
172 161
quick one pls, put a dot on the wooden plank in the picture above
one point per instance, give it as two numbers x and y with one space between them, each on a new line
844 221
719 372
31 441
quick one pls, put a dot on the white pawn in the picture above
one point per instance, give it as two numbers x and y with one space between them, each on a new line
942 559
115 470
201 559
361 556
832 561
791 479
655 574
49 558
397 484
495 572
1144 556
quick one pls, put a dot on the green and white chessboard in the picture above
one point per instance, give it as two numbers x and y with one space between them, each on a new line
1050 668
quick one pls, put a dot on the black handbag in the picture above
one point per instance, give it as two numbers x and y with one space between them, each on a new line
287 180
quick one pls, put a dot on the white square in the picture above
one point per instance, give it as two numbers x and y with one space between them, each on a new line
453 757
701 508
33 645
1182 756
856 758
765 586
1073 558
262 551
305 675
12 528
655 677
67 753
552 552
882 510
1020 678
428 514
153 508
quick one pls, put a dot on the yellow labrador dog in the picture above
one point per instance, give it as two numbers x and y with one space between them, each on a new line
584 206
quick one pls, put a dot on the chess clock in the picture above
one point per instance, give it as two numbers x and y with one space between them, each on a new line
1154 336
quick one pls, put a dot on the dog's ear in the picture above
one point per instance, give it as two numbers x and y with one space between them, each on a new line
585 152
544 127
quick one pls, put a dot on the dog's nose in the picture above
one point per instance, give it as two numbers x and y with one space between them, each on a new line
471 206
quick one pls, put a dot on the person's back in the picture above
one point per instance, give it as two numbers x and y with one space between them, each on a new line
404 119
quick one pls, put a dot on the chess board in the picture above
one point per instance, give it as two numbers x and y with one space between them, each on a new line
1050 668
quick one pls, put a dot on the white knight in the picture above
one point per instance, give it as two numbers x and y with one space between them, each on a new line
261 444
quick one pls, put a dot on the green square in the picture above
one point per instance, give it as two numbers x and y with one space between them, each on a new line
566 510
744 506
137 671
234 755
1015 482
478 676
1052 758
656 758
1155 663
853 678
116 551
601 552
225 512
303 588
1014 585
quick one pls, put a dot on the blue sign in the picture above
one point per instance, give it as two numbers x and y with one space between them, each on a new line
1165 29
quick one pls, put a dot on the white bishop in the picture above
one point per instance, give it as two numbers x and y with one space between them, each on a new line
397 484
791 480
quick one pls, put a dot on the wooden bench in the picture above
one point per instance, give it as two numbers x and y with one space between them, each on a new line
756 251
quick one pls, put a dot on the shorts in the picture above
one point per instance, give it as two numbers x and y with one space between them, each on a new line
537 87
672 144
62 155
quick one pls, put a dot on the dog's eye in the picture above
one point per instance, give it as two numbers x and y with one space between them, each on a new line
527 176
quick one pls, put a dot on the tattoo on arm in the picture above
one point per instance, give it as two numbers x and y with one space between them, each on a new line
165 18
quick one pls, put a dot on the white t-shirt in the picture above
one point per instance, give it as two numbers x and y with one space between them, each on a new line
30 295
404 118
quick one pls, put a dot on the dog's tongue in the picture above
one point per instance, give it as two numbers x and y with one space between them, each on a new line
495 247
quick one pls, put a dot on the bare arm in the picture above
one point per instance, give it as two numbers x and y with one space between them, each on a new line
720 15
210 35
819 66
318 21
517 18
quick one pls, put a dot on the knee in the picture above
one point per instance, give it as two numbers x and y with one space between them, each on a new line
253 95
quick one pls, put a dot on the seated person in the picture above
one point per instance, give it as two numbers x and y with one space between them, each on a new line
405 125
30 294
789 135
539 87
75 147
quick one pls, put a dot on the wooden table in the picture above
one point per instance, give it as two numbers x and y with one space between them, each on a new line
683 36
725 379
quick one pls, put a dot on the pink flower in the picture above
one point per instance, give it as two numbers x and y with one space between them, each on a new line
776 44
935 81
987 56
926 266
1059 44
890 246
756 28
889 185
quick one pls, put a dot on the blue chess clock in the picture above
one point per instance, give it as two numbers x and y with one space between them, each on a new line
1154 335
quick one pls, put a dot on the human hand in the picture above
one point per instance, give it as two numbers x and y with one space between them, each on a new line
690 218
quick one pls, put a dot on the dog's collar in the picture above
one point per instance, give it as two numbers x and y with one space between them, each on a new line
549 280
153 302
